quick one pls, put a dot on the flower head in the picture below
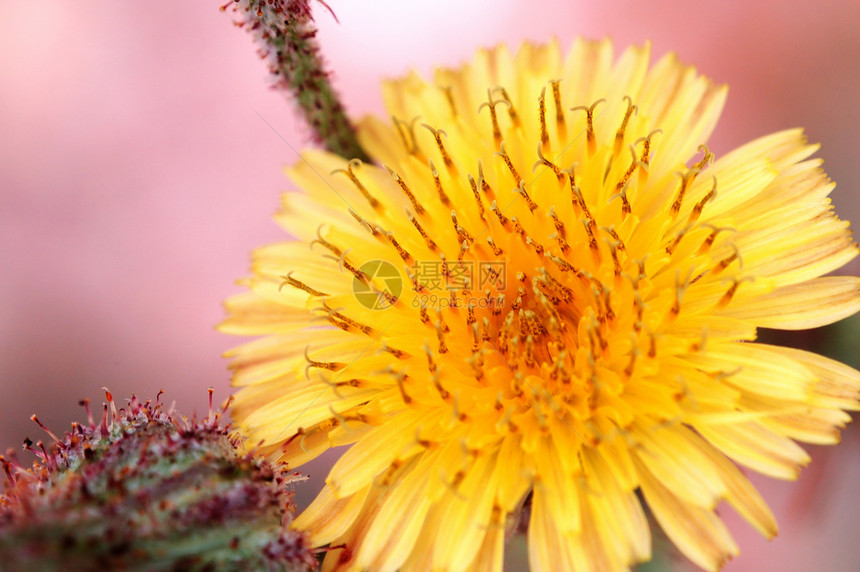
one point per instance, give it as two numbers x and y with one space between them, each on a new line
549 287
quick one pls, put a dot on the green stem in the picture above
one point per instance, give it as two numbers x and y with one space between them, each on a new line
285 30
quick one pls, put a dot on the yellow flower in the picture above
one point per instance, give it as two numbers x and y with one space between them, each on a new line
548 287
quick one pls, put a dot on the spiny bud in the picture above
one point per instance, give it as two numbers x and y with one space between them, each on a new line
147 489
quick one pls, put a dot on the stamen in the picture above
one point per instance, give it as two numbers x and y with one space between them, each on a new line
670 249
625 203
320 240
462 233
406 130
559 112
727 297
369 227
522 191
619 135
413 278
491 105
427 240
404 254
546 162
401 385
713 236
342 263
289 280
482 181
700 206
496 250
634 353
538 248
504 155
338 316
515 118
613 249
437 134
562 243
415 204
431 365
449 95
589 124
481 209
502 218
579 201
443 393
679 293
361 188
327 365
726 262
706 159
590 225
686 179
559 226
440 335
442 196
544 134
615 237
645 159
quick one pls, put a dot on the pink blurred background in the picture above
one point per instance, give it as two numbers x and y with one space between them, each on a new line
136 176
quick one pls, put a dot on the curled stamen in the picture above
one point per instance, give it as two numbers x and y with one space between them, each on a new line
327 365
496 250
288 280
491 105
504 155
589 124
361 188
726 262
625 203
515 118
707 158
700 206
645 159
406 130
320 240
559 225
503 220
343 263
477 195
730 293
611 232
437 134
521 190
619 135
547 163
686 179
363 222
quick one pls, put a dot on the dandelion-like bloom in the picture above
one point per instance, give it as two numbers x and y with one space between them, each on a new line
547 287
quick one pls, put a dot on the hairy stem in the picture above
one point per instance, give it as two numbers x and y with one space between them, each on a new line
287 37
